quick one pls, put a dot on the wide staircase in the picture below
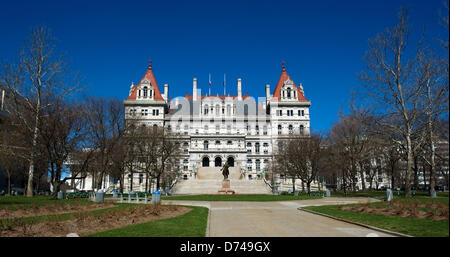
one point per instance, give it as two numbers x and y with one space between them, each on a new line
209 181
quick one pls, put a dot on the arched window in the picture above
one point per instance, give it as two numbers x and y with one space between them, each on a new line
205 145
302 129
151 94
279 129
205 161
205 110
289 93
230 161
145 92
218 162
291 129
256 147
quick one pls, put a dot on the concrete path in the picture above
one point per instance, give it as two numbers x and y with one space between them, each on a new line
278 219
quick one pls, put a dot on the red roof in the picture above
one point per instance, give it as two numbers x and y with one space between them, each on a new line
150 77
214 96
284 76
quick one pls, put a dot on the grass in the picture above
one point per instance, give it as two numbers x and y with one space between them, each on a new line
410 226
191 224
380 194
13 202
244 198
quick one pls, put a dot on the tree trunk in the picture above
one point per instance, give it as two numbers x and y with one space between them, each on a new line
409 164
308 186
8 172
303 187
416 173
361 173
293 185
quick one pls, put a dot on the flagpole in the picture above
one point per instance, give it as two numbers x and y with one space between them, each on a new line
209 83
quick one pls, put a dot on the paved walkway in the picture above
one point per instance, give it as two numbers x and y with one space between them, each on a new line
278 219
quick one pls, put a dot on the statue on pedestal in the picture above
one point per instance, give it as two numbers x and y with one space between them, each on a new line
225 171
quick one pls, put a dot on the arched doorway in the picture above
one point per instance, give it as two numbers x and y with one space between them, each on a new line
230 161
205 162
218 162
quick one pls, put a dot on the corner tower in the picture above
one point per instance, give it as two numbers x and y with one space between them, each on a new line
145 103
288 107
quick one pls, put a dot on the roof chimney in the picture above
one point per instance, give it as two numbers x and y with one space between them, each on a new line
239 89
194 90
166 92
267 92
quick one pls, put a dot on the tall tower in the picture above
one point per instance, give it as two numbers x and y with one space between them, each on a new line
145 103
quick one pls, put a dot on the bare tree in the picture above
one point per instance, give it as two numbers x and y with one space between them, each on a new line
389 80
105 123
40 72
63 130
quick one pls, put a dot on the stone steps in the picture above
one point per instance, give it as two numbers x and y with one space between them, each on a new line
212 186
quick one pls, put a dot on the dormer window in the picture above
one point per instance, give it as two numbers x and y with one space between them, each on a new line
145 92
289 93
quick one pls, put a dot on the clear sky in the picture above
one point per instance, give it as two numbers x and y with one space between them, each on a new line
322 42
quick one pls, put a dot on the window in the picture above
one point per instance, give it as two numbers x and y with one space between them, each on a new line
145 92
288 93
206 128
249 164
279 112
257 129
258 164
205 145
228 110
265 130
217 109
301 113
291 129
257 148
217 142
141 178
279 129
290 113
302 129
185 164
249 147
205 110
229 142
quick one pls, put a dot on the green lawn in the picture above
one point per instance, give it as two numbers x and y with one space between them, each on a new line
410 226
191 224
13 202
380 194
244 198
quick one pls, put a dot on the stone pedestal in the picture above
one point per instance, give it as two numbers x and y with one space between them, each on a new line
226 188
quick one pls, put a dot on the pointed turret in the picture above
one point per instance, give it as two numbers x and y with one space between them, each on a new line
148 77
284 77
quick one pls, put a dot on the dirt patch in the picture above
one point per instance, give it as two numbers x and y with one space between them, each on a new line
410 209
31 211
85 223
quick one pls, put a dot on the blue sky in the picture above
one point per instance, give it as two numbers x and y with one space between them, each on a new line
322 42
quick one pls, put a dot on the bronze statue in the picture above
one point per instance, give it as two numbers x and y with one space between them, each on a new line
225 171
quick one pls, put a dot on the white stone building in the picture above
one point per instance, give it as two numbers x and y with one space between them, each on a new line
215 129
